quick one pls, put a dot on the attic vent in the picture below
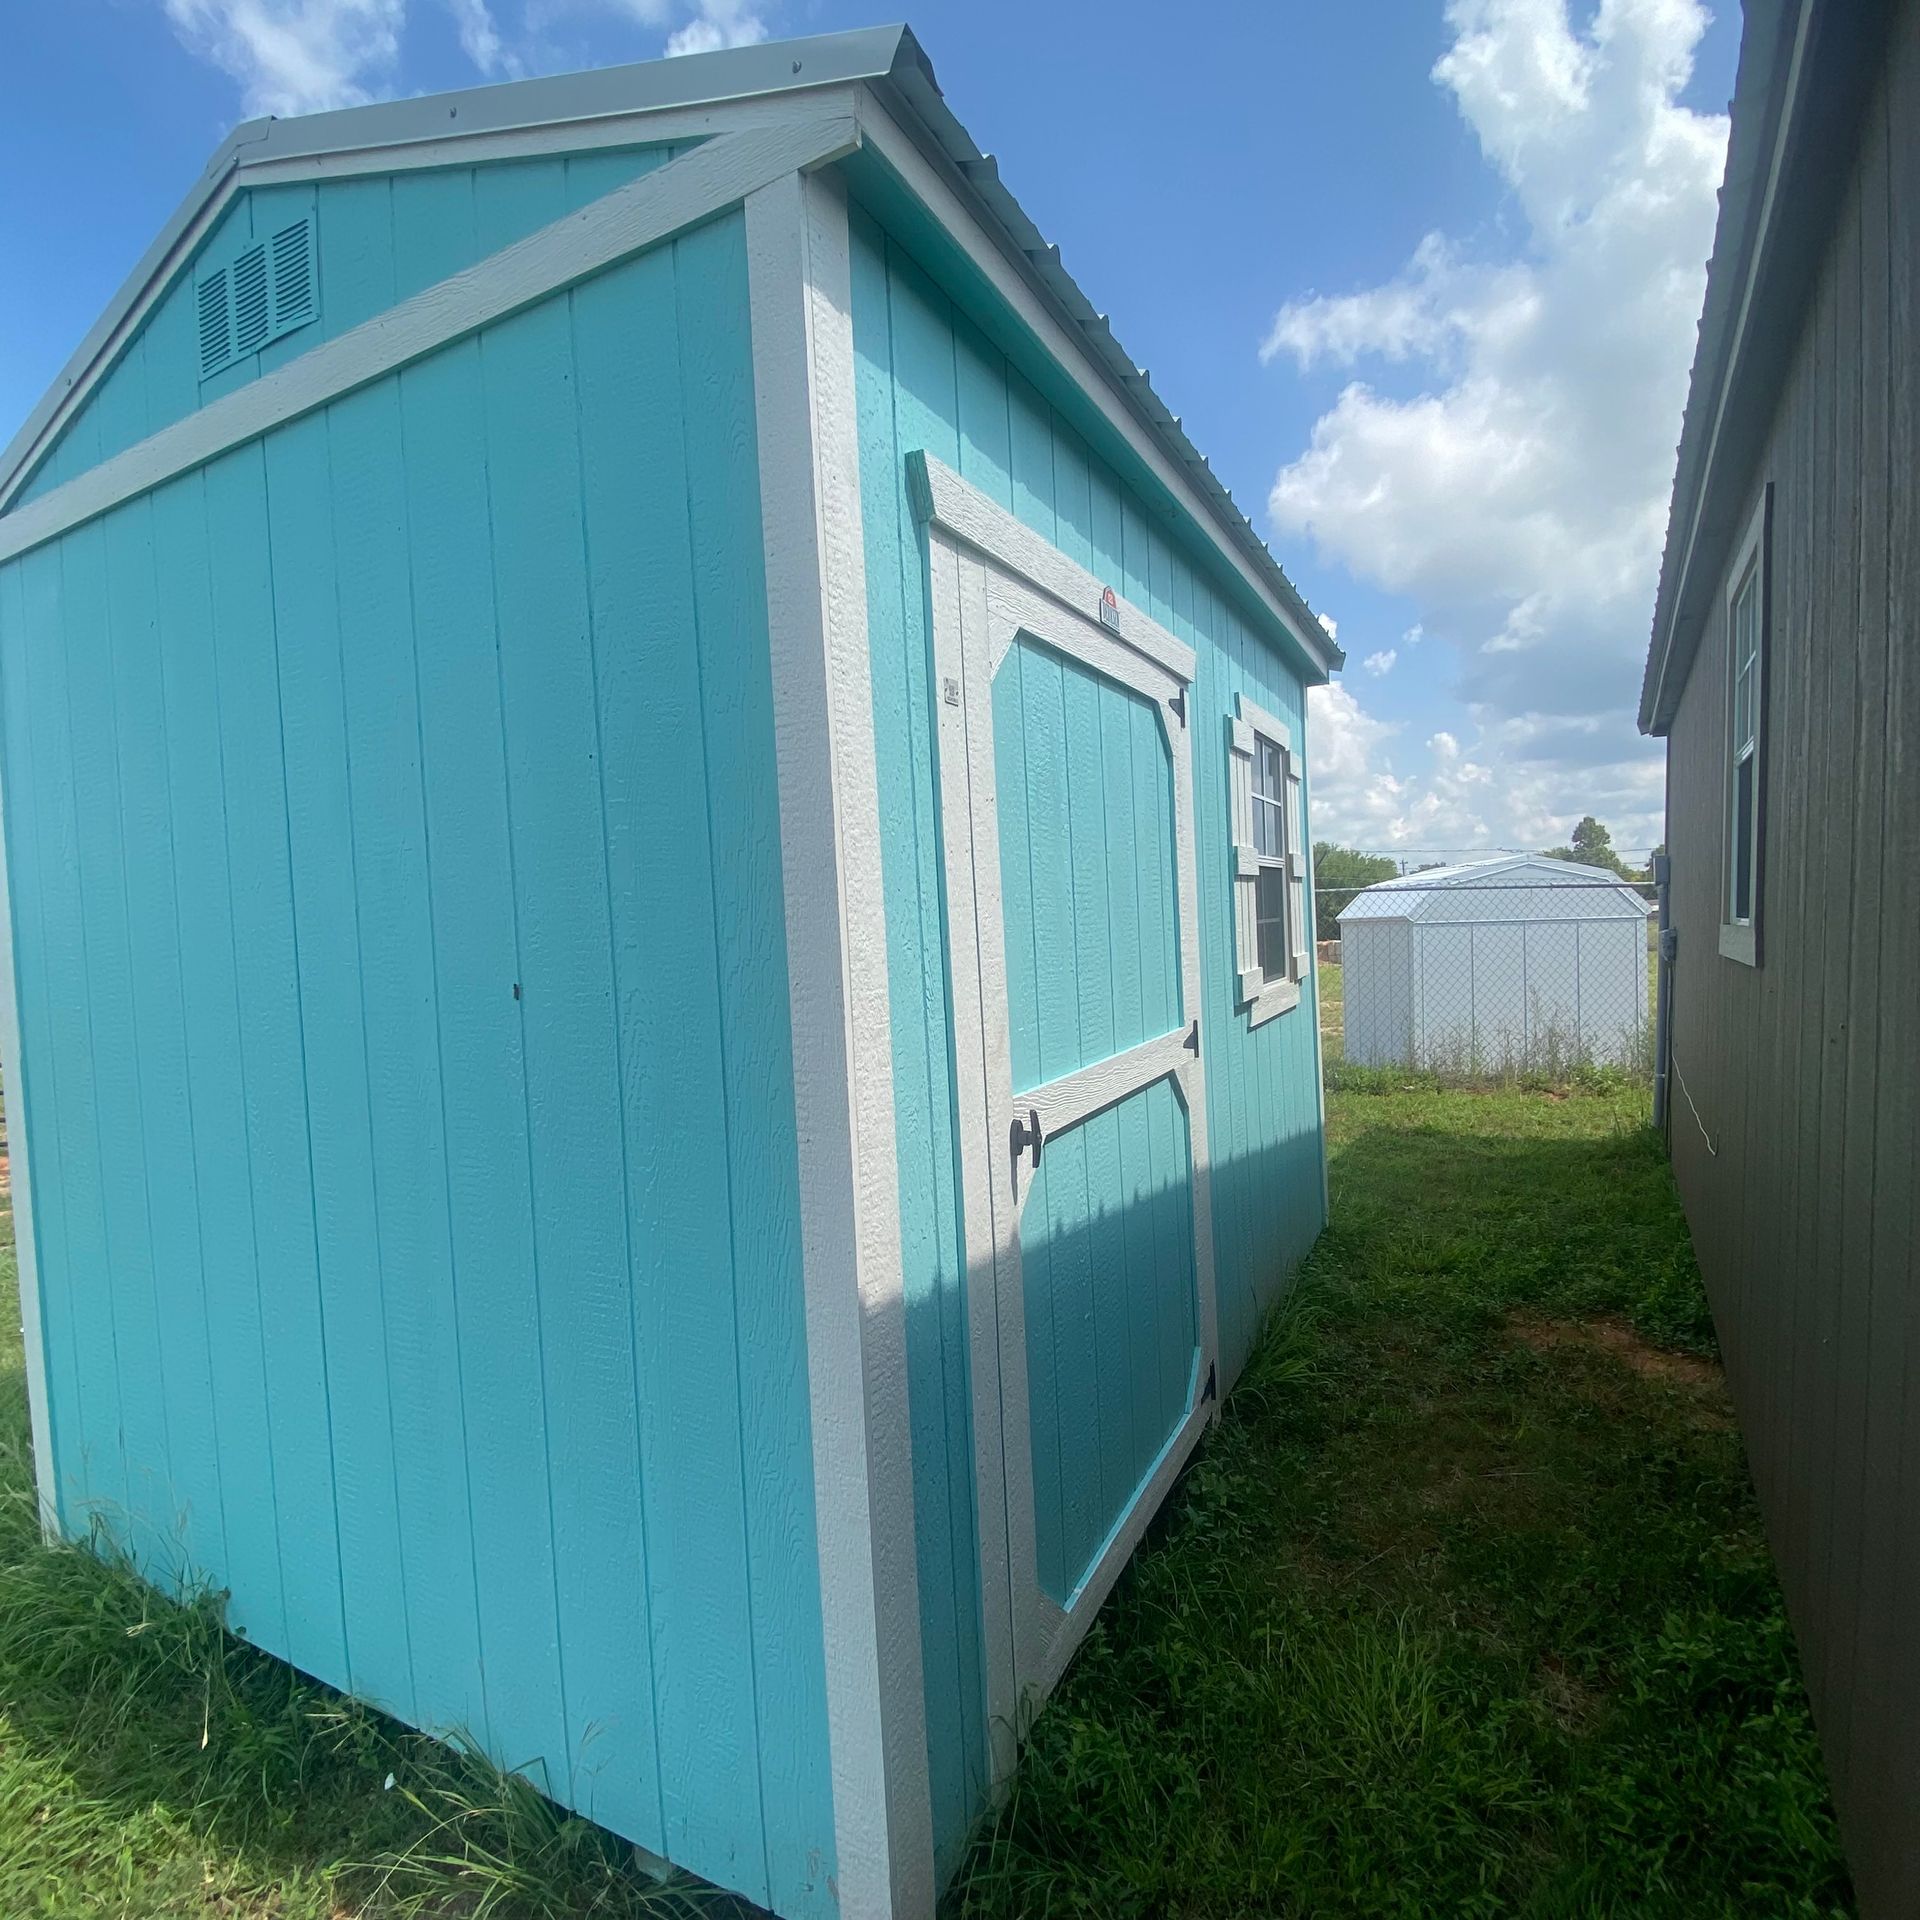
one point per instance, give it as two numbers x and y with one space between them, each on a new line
265 292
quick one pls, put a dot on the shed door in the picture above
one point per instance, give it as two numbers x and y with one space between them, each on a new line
1068 818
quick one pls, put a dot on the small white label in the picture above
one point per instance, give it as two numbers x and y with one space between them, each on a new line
1109 609
950 691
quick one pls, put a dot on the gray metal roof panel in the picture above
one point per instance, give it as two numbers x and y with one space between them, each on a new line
1406 895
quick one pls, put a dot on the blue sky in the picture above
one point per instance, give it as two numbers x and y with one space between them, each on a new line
1420 277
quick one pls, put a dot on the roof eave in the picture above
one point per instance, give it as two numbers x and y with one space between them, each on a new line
1804 68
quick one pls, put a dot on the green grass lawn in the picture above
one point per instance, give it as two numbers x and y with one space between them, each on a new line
1464 1610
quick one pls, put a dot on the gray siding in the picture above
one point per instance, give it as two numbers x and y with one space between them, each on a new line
1804 1070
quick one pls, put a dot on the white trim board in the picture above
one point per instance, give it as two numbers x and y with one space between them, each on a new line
941 496
799 277
883 135
26 1246
632 218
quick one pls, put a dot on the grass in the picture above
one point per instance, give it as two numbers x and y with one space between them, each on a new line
152 1767
1465 1610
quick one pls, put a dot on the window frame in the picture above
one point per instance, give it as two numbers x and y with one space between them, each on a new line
1261 994
1740 938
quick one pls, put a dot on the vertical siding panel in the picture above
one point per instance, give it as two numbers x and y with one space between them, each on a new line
482 1042
214 1103
1891 1765
1073 495
427 1416
293 1331
1104 514
986 455
566 984
1825 929
326 908
193 1519
737 703
1032 458
112 1063
1856 1410
655 785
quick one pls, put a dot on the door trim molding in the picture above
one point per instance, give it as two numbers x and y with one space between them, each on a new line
944 500
991 577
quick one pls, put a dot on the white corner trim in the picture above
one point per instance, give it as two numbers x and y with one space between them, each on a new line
26 1249
884 136
630 219
984 525
799 292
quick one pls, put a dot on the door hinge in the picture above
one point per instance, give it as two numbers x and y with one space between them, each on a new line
1026 1133
1177 700
1192 1041
1211 1391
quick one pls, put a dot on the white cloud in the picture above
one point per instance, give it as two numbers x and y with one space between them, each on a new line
1507 788
1331 624
481 41
1520 499
1381 664
296 56
719 23
1413 635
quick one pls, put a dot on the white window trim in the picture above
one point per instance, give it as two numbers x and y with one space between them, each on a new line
1740 939
1262 997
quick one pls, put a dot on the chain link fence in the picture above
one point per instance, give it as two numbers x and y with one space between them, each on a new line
1538 972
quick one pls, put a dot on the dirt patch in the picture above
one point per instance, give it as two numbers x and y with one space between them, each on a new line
1612 1336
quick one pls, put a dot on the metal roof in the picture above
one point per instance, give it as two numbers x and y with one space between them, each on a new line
887 59
1804 67
1508 883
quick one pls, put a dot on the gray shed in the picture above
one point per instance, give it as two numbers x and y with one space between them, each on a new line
1521 963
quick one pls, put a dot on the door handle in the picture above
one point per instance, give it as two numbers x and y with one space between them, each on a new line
1026 1133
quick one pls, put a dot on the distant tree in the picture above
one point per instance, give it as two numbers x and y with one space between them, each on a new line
1592 846
1338 874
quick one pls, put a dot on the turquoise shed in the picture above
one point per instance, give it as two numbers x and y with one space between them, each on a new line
658 1012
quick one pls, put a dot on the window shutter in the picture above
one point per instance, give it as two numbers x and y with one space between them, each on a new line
1246 863
1297 954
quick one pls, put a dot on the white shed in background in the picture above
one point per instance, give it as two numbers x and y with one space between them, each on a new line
1517 964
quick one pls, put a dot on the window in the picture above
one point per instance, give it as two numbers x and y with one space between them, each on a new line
1269 889
1746 617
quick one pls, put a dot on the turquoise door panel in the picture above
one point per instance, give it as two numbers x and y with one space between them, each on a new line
1083 774
1089 899
1106 1258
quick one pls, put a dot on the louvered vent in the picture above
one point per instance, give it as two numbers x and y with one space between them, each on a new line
265 292
292 261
